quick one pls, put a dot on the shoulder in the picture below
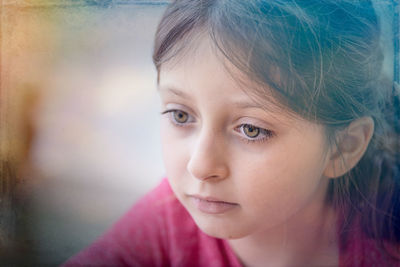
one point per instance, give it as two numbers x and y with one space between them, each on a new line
153 207
159 218
156 231
358 249
143 236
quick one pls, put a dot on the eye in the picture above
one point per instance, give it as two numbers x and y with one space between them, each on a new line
254 134
178 117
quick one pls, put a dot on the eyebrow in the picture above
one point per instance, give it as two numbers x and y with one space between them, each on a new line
238 104
246 104
174 91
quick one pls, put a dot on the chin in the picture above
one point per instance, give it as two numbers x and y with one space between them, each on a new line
218 227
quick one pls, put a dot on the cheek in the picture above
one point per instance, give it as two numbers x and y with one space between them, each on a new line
279 181
173 151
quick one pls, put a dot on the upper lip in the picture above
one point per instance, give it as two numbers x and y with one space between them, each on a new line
211 199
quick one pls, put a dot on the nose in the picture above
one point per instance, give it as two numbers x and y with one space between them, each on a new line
208 159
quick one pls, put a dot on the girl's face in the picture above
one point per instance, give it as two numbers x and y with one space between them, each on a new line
237 168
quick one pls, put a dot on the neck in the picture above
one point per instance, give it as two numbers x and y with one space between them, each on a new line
307 239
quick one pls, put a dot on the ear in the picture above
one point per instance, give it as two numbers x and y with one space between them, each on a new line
351 144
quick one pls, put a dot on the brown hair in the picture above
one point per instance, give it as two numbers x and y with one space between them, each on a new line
329 60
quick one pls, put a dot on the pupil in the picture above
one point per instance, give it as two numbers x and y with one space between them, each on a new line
251 131
180 116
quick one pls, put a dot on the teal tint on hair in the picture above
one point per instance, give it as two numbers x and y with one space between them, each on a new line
321 59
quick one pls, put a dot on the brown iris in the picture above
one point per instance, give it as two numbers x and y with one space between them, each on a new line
251 131
180 116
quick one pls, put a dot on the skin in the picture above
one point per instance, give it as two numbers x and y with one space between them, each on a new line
277 182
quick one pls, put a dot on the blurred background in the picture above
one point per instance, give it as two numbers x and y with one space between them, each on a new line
79 118
80 112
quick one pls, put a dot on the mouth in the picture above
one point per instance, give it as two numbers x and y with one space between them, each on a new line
212 205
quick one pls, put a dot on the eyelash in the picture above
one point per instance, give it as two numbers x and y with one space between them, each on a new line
267 133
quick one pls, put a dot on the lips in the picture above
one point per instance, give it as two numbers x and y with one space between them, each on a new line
212 205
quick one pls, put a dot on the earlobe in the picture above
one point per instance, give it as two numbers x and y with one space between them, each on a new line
351 144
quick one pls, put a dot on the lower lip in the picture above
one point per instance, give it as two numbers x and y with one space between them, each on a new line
213 207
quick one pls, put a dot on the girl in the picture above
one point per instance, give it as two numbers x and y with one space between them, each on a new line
280 141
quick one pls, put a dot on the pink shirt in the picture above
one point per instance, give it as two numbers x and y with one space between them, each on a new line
158 231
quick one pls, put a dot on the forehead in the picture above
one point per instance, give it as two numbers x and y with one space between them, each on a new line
198 53
200 64
202 70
